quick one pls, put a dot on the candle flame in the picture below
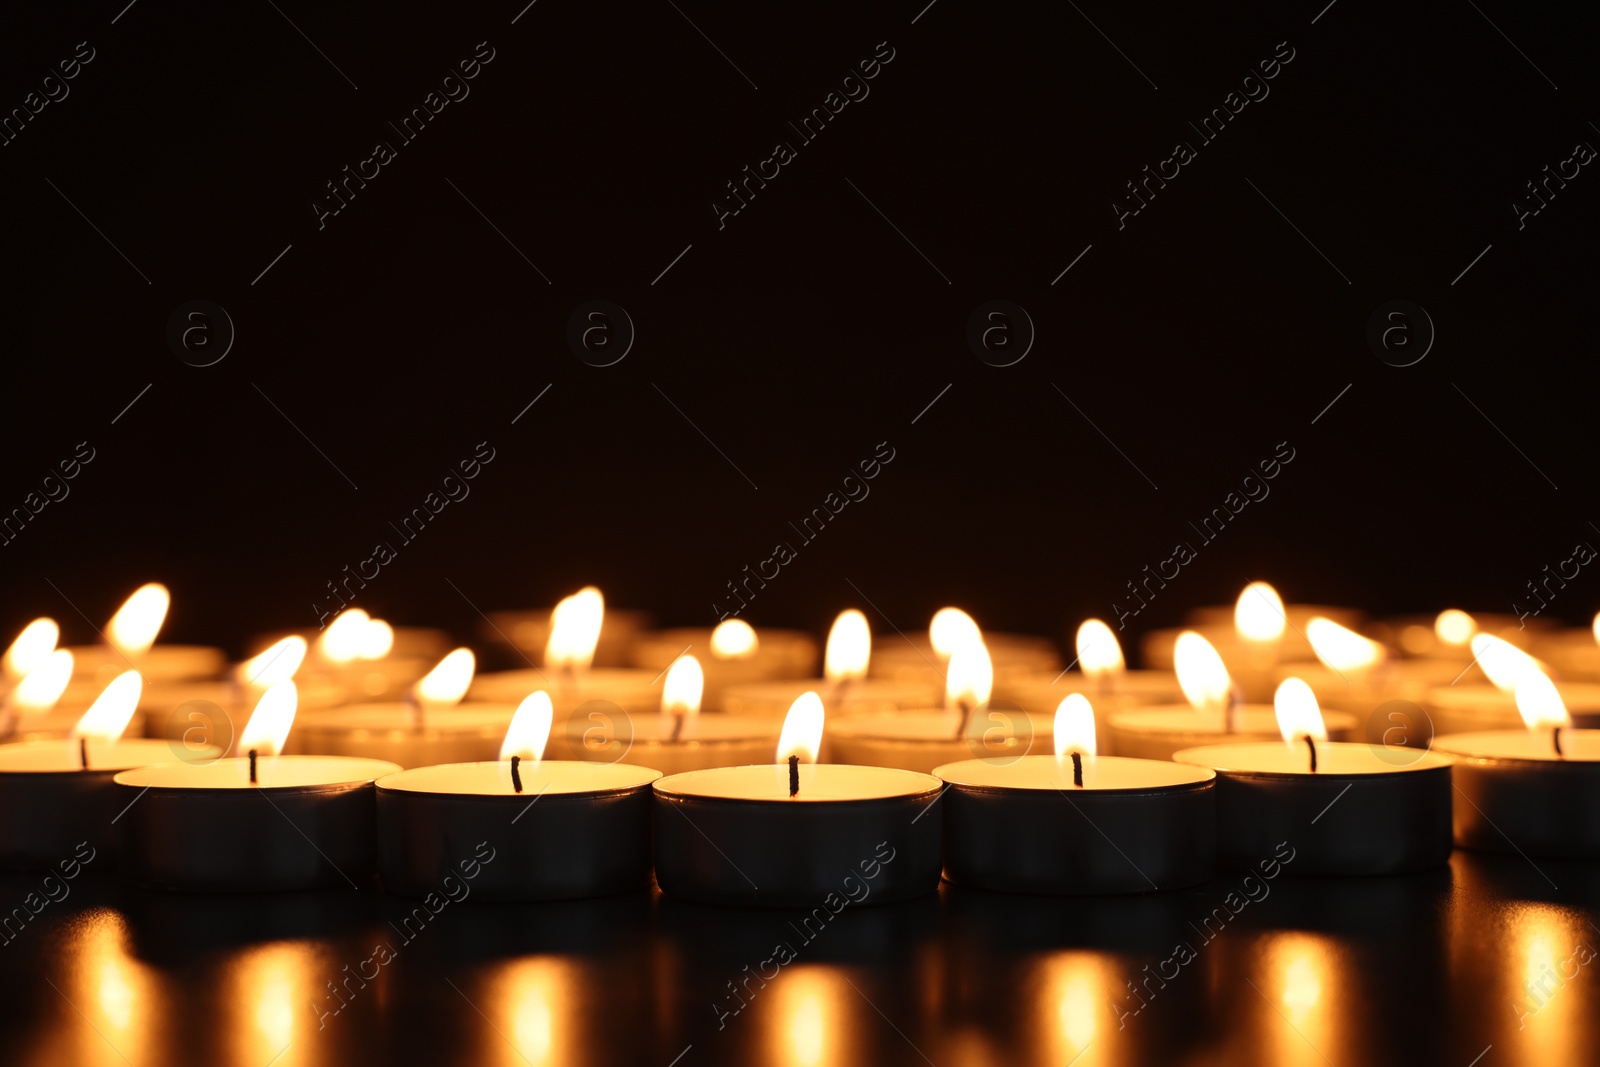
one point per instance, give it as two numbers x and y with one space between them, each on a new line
41 687
1454 626
1258 615
1298 714
949 629
1595 626
134 627
733 639
28 652
1074 727
529 731
341 641
680 693
849 648
1099 653
113 709
447 683
1502 661
969 679
1340 647
575 629
1201 673
1538 701
802 729
275 664
269 723
376 640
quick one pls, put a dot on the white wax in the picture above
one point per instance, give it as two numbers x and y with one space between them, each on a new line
1576 745
632 690
1334 758
1100 773
940 725
1044 692
867 694
1252 719
545 776
159 663
63 755
818 782
272 772
658 728
383 718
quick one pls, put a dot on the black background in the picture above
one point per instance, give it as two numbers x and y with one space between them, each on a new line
807 330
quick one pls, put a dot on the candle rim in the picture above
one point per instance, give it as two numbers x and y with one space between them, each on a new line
1186 719
933 786
1425 761
67 747
648 776
1203 778
1539 759
131 778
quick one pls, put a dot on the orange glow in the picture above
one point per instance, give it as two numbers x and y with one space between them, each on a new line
1298 714
1538 702
113 709
1342 648
27 653
377 639
275 664
1074 727
43 685
949 629
1258 614
341 641
447 683
575 629
529 731
1201 673
969 679
1099 653
681 692
271 720
1502 661
1454 627
802 730
849 648
133 628
733 639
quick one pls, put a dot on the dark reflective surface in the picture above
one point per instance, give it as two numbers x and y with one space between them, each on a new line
1426 969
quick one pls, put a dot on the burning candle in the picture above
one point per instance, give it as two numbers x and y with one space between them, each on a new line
1345 808
179 709
920 740
368 659
528 633
1076 823
1574 653
556 830
29 649
1473 708
1534 791
922 659
1102 675
256 822
1357 674
795 833
28 708
679 738
844 686
131 642
56 793
733 653
430 726
569 675
1214 712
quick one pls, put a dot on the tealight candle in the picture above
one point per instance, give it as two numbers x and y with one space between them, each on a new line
29 709
55 794
528 633
733 653
175 710
1076 823
1448 635
1213 713
678 739
844 686
1357 674
557 830
920 740
792 834
1574 653
1473 708
205 828
430 726
922 659
368 658
130 642
1533 791
1346 809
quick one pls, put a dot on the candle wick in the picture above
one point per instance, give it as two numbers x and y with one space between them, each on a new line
794 775
253 767
416 709
1311 744
966 713
1555 737
1228 710
516 777
83 749
1077 769
678 716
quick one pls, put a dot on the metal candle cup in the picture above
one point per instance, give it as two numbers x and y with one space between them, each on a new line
1365 810
49 802
1521 797
574 830
309 822
735 835
1133 826
1157 733
400 734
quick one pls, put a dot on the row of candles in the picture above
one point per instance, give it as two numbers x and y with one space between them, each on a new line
595 777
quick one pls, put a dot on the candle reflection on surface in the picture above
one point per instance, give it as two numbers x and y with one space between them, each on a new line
272 987
1298 972
1075 988
532 996
112 992
804 1016
1548 951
